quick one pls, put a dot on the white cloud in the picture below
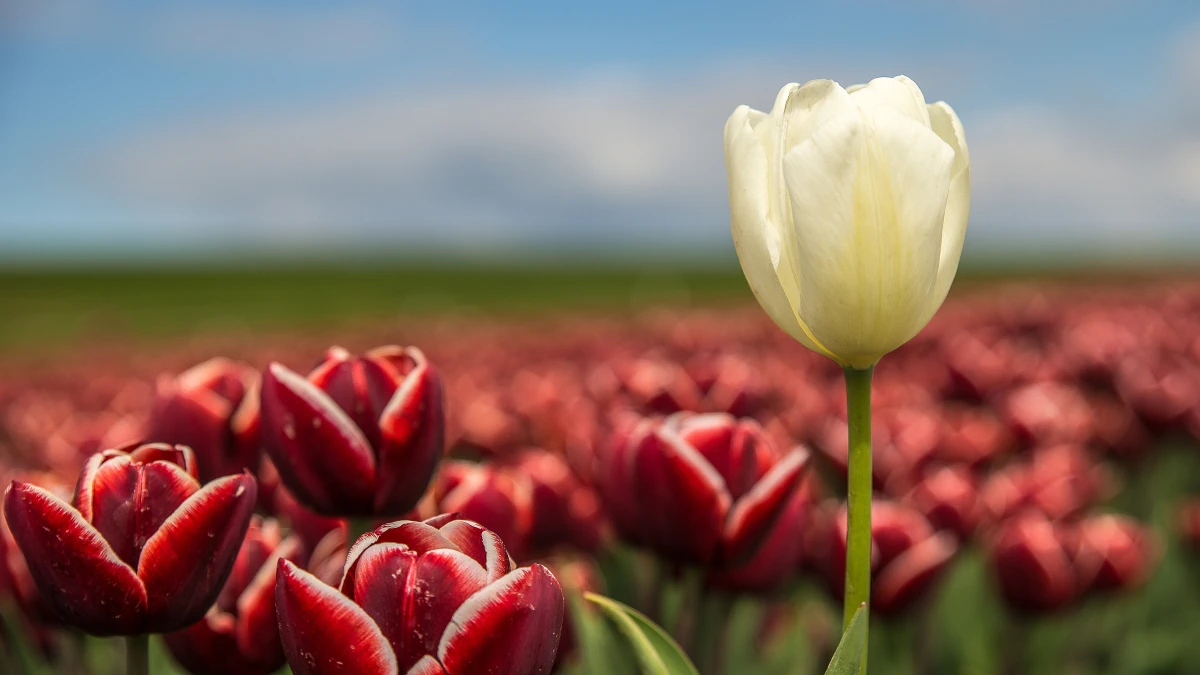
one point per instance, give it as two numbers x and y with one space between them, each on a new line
629 156
239 32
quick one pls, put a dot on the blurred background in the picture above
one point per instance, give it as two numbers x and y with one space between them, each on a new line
140 137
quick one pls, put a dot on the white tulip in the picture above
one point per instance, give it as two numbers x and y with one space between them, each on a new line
848 209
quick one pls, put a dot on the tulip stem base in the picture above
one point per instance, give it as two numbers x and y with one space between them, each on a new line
858 493
137 655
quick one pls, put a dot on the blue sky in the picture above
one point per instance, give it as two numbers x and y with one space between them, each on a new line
474 127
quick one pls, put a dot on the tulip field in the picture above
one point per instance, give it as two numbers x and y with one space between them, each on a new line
270 472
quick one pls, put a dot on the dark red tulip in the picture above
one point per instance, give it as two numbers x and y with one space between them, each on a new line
436 597
697 489
499 499
778 559
15 578
213 409
1034 563
240 634
907 557
949 499
145 549
361 436
1123 551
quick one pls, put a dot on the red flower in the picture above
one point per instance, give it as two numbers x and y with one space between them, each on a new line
361 436
1121 551
240 634
213 409
907 555
949 498
145 549
1034 562
702 489
778 560
535 504
440 597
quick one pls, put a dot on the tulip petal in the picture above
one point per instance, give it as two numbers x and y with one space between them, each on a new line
257 628
898 93
685 499
76 571
412 430
958 205
412 598
427 666
197 418
322 457
324 632
753 516
414 535
483 545
511 626
868 193
911 572
114 503
186 562
755 239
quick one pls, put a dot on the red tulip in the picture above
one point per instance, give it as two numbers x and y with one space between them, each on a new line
361 436
1124 551
535 504
145 549
1058 481
778 559
213 409
1160 388
949 499
907 555
1034 563
240 634
1048 412
441 597
697 489
496 498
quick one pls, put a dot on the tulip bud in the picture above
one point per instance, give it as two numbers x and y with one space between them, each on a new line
908 556
697 489
849 209
778 559
240 634
361 436
1034 564
435 597
213 409
1125 551
949 499
144 549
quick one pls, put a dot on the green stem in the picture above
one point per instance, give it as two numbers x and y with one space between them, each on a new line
357 527
137 655
858 493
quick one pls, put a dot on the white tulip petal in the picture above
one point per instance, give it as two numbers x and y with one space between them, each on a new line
756 241
868 195
899 93
954 230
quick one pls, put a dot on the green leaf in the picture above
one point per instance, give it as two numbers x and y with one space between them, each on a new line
851 653
656 651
